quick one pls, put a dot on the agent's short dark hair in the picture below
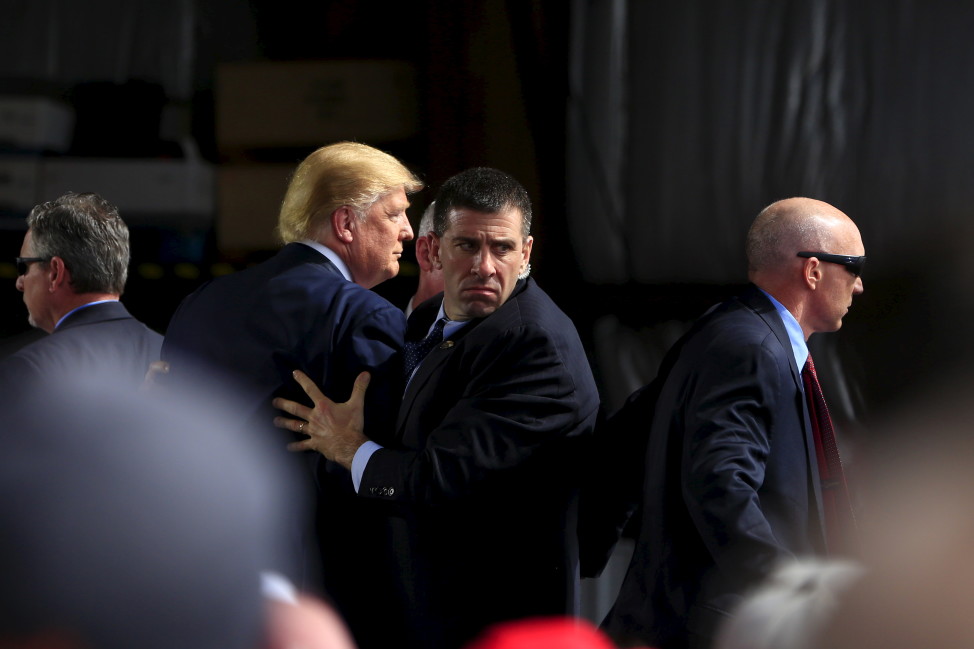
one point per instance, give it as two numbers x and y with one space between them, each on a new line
482 189
86 232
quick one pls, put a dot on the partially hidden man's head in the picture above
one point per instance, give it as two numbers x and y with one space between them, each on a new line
809 255
430 278
79 237
481 240
352 198
137 520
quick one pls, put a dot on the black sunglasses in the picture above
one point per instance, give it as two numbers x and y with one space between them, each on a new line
23 264
852 264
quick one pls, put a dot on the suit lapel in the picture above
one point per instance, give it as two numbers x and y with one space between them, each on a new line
429 369
417 328
759 303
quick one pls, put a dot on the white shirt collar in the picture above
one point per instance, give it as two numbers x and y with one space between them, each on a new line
331 255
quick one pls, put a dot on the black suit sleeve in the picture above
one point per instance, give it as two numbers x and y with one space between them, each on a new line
732 411
375 346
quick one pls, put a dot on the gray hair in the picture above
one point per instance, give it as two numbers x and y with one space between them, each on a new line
426 223
87 233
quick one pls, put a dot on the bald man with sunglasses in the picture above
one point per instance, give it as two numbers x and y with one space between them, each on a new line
738 471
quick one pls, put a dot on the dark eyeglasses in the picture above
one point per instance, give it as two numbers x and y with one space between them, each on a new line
852 264
23 264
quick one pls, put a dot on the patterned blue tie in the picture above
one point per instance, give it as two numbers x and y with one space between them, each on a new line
415 352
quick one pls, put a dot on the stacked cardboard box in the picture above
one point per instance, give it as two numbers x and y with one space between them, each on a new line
35 132
30 127
278 112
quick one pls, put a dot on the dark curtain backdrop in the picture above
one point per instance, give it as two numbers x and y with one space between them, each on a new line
686 118
648 133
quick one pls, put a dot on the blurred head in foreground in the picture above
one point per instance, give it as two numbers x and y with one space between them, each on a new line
132 521
790 608
919 534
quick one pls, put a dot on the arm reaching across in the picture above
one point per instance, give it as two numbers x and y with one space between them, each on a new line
333 429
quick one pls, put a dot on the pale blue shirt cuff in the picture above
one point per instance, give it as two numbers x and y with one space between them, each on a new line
360 460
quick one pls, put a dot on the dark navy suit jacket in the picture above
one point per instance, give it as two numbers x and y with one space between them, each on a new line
731 484
485 472
101 340
249 331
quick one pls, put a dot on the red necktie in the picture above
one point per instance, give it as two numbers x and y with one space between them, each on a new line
840 522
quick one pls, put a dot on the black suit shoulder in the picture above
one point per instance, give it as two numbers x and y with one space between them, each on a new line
293 311
99 340
528 316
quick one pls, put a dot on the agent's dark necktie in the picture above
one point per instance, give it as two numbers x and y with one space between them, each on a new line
415 352
840 521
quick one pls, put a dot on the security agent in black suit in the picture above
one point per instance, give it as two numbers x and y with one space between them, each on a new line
72 270
731 480
481 479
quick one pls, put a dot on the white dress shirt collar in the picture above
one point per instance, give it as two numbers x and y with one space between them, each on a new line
331 255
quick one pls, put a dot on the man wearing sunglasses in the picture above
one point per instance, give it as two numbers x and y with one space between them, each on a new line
738 473
72 270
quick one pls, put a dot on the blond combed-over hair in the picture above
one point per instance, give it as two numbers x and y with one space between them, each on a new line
344 173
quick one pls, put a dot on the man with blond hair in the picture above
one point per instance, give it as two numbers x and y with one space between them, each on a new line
738 474
343 220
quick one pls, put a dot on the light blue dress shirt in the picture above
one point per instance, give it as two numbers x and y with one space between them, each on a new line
795 334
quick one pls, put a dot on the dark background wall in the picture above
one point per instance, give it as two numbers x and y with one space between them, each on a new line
686 118
489 90
648 134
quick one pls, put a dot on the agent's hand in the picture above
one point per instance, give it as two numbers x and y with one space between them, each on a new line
334 429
